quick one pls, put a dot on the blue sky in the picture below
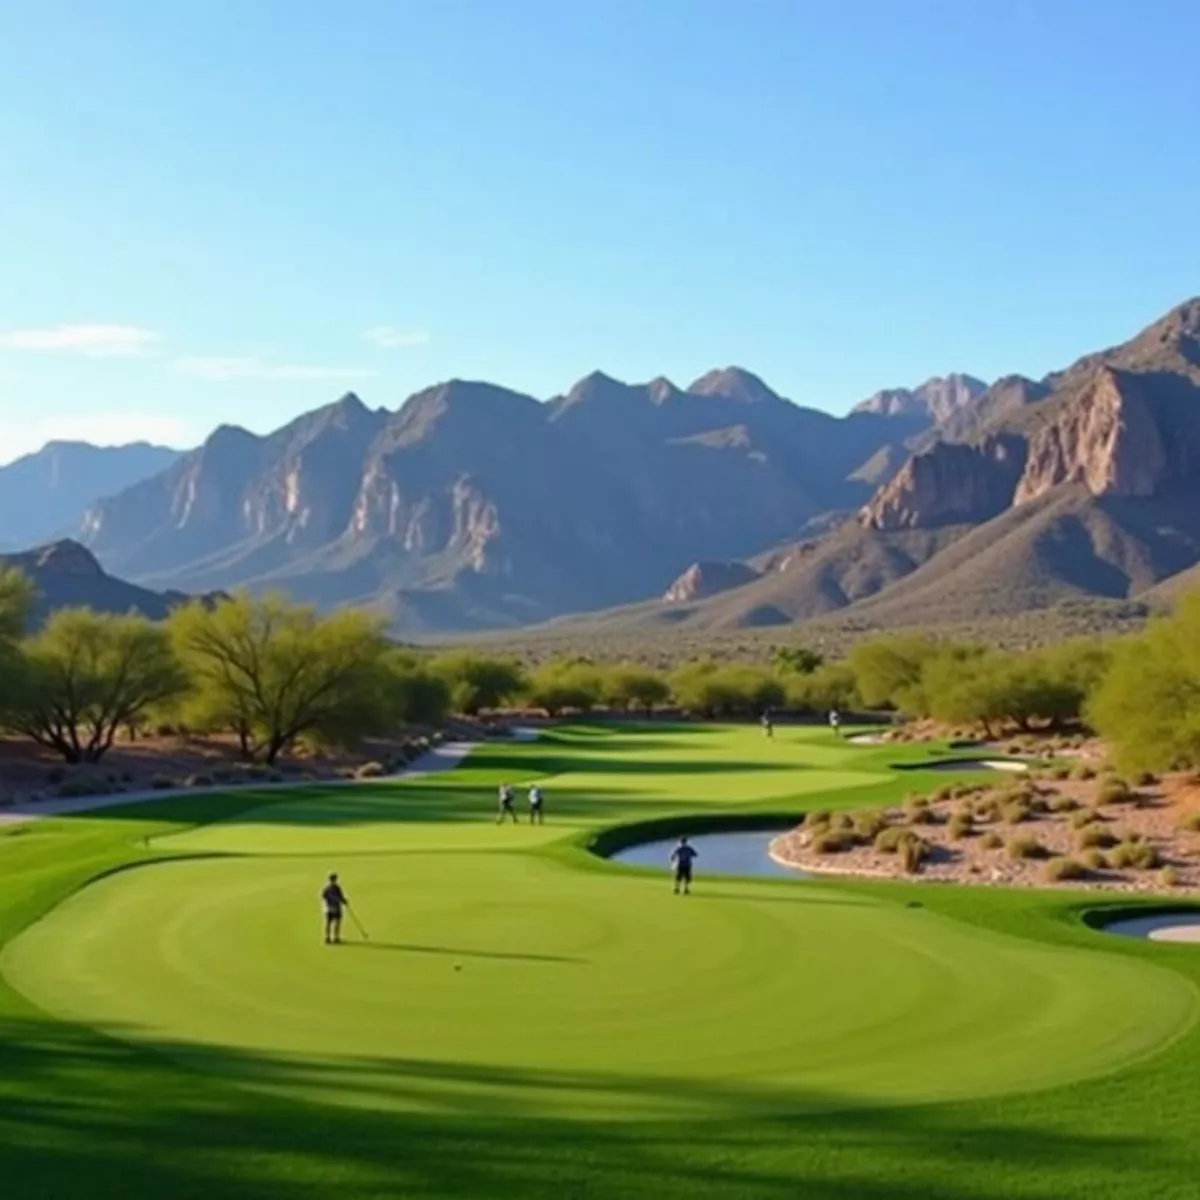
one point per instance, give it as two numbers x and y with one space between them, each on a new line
233 211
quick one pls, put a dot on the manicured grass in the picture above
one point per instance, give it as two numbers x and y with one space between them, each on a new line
530 1021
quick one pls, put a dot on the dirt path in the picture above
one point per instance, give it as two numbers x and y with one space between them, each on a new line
441 758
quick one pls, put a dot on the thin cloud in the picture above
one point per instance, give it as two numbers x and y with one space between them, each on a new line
256 368
393 337
96 341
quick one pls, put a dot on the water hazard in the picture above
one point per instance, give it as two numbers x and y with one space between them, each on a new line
744 852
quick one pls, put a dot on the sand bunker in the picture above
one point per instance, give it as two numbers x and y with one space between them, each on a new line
1160 927
965 764
866 739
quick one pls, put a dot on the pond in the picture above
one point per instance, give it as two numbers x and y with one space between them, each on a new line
740 852
1181 926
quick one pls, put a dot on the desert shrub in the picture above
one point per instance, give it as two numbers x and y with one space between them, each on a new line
1169 876
199 780
987 809
72 789
1083 817
817 819
1016 811
1024 847
1058 870
960 826
1095 836
1059 772
834 841
841 821
1062 804
1083 771
1145 779
1138 856
370 770
1114 791
887 841
1190 823
918 812
1096 860
991 841
913 852
869 822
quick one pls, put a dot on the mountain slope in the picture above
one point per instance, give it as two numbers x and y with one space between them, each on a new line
1086 484
46 493
474 505
65 575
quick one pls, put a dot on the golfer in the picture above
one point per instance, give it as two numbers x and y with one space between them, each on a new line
536 805
767 724
835 722
334 900
681 859
506 805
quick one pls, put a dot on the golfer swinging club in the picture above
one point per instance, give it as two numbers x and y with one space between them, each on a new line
335 900
681 859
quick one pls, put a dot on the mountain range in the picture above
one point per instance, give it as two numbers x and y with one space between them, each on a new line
45 495
719 504
475 506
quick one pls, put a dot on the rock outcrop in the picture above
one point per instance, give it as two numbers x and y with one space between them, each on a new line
950 484
939 399
1105 437
703 579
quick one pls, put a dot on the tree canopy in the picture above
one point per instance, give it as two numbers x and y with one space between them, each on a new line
273 672
1147 705
86 675
479 681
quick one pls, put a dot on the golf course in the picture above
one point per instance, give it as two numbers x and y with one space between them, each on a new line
512 1013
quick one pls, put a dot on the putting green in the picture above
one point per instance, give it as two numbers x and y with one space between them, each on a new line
519 982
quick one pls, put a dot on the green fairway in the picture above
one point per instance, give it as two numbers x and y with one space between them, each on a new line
516 987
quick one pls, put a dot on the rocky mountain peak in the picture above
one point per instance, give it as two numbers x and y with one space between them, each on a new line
734 383
939 398
66 557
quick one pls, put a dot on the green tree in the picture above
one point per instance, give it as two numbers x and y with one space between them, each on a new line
887 671
88 674
713 690
757 688
1147 707
272 672
479 681
628 687
829 686
565 684
16 605
419 696
798 659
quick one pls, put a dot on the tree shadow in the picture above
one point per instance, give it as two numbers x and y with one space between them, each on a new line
86 1116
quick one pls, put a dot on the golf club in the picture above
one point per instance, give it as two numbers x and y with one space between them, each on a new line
366 937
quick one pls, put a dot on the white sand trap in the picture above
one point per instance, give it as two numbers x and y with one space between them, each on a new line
1162 927
433 762
866 739
967 764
